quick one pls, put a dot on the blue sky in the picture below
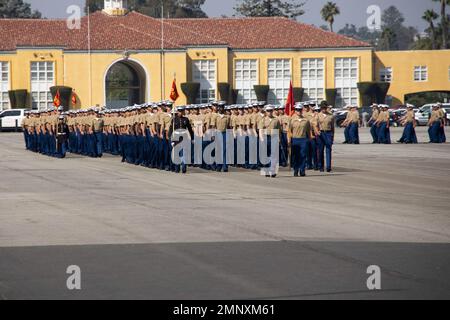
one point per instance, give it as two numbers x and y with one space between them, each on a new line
352 11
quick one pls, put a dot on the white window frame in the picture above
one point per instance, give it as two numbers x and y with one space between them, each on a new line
423 73
4 85
42 78
114 4
313 78
205 73
386 74
279 77
346 77
246 76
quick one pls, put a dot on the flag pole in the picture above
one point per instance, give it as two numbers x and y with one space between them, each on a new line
162 53
89 54
288 135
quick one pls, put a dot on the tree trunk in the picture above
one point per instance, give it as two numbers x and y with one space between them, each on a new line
433 36
444 24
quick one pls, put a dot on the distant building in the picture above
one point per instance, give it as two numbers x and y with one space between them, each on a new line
123 63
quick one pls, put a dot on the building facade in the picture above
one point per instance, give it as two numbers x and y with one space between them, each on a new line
117 58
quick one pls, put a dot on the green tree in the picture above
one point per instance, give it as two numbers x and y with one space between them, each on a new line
269 8
393 20
429 16
17 9
361 33
172 8
444 22
328 12
388 39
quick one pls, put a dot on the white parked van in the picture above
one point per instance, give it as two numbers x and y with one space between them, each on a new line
10 117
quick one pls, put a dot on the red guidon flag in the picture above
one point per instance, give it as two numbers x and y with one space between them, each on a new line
74 98
57 100
174 91
290 102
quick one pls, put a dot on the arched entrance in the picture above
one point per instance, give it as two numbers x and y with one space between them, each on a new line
125 84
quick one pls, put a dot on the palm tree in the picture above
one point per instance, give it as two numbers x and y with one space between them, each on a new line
388 38
444 22
429 16
329 11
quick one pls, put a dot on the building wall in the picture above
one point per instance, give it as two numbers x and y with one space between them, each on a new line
364 63
72 68
77 67
403 63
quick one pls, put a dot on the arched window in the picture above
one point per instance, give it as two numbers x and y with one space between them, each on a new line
125 85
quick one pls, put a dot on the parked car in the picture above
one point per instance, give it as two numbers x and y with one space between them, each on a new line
447 110
340 116
424 113
9 118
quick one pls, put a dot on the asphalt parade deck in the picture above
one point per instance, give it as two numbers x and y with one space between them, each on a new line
146 234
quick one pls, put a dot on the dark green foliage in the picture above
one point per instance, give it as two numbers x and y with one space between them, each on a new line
270 8
418 99
190 90
17 9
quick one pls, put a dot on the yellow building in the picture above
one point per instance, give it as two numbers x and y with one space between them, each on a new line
116 58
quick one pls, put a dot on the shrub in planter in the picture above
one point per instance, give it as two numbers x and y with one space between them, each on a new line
224 91
330 95
190 90
298 94
382 90
234 96
367 91
262 92
12 99
373 92
20 98
65 95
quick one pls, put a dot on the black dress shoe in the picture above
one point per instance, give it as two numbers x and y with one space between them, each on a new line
302 174
295 174
329 170
274 176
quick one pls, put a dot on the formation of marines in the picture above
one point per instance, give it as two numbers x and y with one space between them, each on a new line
144 134
380 125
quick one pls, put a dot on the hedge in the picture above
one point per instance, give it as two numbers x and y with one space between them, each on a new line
191 91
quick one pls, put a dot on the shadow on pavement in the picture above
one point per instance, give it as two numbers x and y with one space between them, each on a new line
229 270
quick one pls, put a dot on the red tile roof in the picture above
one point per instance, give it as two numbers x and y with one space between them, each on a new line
135 31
